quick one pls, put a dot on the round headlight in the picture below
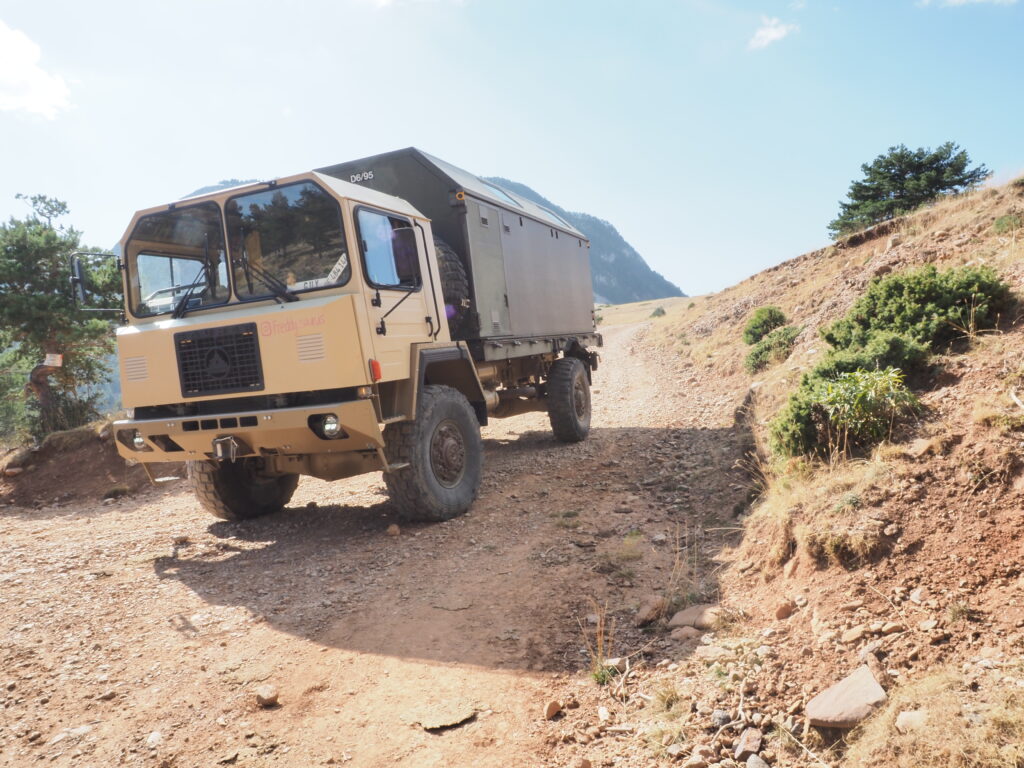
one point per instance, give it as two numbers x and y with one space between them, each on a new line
331 426
138 441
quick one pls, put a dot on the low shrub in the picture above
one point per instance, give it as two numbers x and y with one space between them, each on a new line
862 406
884 349
854 410
799 428
762 322
773 348
1007 224
659 312
929 306
852 397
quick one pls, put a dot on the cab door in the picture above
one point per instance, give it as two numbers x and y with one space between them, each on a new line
396 301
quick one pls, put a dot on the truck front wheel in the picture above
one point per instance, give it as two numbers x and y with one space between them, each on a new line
439 457
569 400
239 490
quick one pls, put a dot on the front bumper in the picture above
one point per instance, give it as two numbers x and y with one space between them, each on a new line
282 432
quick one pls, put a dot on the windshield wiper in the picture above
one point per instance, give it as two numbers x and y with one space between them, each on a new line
276 286
201 279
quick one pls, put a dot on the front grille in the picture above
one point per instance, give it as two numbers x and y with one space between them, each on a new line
217 361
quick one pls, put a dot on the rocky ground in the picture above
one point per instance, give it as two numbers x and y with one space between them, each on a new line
138 630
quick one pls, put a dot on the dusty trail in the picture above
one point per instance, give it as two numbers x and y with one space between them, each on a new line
135 633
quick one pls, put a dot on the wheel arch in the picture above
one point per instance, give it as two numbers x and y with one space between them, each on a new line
589 359
452 367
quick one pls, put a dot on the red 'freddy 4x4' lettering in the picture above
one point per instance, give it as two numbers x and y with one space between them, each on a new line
291 325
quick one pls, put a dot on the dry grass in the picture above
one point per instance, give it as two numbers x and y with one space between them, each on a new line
599 642
623 314
826 513
685 585
962 729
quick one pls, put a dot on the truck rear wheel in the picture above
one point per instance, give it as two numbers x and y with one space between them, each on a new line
443 455
454 286
569 400
239 490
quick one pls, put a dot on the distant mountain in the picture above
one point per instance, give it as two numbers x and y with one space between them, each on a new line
619 273
225 184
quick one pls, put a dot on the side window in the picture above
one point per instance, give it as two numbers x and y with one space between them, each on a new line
389 250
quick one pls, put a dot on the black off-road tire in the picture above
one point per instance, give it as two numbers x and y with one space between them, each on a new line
237 490
454 286
569 400
444 454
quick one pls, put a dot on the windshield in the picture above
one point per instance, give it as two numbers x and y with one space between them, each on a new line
165 257
291 234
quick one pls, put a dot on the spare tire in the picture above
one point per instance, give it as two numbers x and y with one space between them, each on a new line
454 287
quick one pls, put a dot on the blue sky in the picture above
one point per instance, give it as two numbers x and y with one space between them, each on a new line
717 136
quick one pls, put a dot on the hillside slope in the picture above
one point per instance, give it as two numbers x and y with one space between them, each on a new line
620 274
905 562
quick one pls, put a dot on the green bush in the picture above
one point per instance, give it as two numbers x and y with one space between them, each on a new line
884 349
855 410
762 322
803 426
862 406
888 333
773 348
1005 224
799 428
659 312
924 304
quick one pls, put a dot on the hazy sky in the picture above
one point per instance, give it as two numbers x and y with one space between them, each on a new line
717 136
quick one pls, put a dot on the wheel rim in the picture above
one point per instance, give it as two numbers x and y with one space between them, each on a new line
580 401
448 454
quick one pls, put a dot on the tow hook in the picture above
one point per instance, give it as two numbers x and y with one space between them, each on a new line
229 447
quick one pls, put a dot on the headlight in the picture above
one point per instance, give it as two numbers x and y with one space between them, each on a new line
331 426
138 441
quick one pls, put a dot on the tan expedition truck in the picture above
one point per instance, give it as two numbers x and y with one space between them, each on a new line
368 316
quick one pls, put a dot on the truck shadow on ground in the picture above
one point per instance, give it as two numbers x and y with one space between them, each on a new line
557 532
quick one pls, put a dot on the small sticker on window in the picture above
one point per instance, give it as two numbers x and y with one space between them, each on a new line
339 267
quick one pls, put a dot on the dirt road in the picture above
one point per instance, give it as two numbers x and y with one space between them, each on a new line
135 633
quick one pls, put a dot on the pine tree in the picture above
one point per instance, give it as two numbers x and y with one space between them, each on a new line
901 180
38 316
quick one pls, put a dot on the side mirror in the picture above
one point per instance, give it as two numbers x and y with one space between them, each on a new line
77 280
80 281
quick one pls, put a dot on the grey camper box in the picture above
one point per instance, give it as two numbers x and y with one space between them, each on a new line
528 269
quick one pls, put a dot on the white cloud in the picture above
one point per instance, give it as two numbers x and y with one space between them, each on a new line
771 31
24 85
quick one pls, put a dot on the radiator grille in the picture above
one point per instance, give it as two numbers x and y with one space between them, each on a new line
136 369
310 347
216 361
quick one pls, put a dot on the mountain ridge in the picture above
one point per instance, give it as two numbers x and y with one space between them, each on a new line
619 273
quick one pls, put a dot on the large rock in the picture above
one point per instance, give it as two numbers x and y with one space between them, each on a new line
911 720
699 616
652 608
847 702
683 634
266 696
748 744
